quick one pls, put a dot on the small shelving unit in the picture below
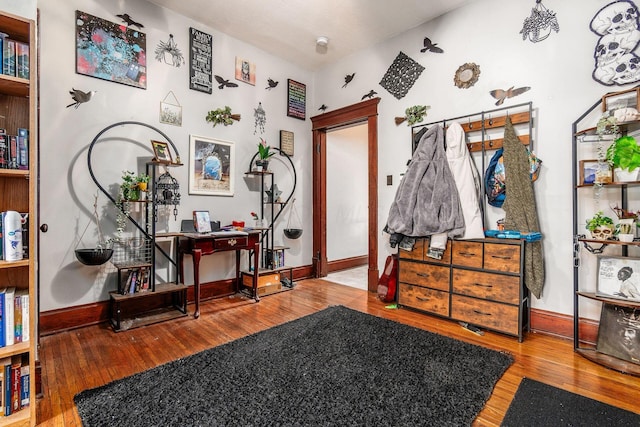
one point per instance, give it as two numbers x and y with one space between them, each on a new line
622 193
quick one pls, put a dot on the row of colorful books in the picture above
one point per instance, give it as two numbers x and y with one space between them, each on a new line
14 384
14 246
14 313
137 280
14 150
14 57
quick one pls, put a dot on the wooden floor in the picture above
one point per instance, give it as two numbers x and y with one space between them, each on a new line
89 357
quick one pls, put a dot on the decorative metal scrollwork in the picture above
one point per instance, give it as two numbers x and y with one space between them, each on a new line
167 193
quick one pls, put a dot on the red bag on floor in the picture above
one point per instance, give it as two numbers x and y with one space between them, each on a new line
388 280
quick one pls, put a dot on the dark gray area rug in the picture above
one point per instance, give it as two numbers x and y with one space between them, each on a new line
541 405
335 367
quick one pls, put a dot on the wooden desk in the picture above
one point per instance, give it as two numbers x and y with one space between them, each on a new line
198 245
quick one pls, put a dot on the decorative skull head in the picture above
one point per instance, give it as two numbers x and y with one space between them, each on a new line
608 50
627 70
602 232
615 18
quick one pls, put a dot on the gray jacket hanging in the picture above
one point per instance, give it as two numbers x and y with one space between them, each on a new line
427 200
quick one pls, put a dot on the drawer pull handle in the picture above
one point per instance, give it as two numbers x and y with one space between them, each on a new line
500 257
423 299
232 242
481 313
469 254
482 285
425 275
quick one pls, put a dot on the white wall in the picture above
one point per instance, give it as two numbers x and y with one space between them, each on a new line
67 191
486 32
24 8
347 192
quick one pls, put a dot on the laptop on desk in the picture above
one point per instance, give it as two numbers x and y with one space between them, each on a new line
187 226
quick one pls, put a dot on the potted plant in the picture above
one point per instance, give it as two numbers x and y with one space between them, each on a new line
600 226
625 226
624 156
132 184
264 152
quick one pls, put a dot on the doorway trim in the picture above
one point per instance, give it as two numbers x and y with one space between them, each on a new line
362 112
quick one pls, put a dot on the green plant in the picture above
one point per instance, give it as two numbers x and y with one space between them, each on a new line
624 153
130 187
598 220
264 151
416 113
222 116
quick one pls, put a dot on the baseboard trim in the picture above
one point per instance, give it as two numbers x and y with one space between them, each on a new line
346 263
55 321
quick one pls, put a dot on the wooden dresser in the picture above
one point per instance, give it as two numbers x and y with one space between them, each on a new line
476 281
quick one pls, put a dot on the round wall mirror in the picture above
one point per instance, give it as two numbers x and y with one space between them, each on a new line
466 75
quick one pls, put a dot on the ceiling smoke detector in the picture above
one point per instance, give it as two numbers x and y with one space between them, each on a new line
322 41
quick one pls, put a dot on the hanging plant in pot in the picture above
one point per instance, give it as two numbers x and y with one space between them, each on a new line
624 156
102 252
600 226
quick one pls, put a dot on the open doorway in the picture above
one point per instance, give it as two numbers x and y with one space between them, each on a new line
365 112
347 205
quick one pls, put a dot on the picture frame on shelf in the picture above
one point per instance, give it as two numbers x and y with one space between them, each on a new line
202 221
595 172
618 278
619 332
127 65
161 152
211 166
623 99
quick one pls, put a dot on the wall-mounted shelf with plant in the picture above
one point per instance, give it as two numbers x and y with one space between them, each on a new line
222 116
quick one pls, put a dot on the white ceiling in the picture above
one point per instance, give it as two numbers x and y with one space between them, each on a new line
288 29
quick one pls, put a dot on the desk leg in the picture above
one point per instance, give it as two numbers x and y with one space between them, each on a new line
256 252
196 255
236 285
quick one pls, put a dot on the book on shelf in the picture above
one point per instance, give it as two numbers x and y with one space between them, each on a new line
23 149
134 279
22 60
6 391
8 318
25 381
3 383
9 57
17 318
24 296
13 152
16 365
4 149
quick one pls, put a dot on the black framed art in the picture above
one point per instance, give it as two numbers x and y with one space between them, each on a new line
110 51
200 61
296 99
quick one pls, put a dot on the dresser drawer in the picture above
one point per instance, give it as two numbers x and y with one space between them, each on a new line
417 253
490 286
433 276
500 257
424 299
231 242
493 315
467 254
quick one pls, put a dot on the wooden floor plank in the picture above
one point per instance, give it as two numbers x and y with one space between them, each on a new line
84 358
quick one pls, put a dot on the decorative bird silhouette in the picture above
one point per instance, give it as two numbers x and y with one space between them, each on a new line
370 94
272 84
348 78
224 83
501 95
323 107
130 22
429 46
80 97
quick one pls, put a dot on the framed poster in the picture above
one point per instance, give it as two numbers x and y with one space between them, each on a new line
618 277
619 332
623 99
211 166
200 61
296 99
245 71
110 51
286 142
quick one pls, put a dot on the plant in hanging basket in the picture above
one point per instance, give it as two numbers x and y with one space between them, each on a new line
293 233
102 252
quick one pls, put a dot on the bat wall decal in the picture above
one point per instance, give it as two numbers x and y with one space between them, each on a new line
501 95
